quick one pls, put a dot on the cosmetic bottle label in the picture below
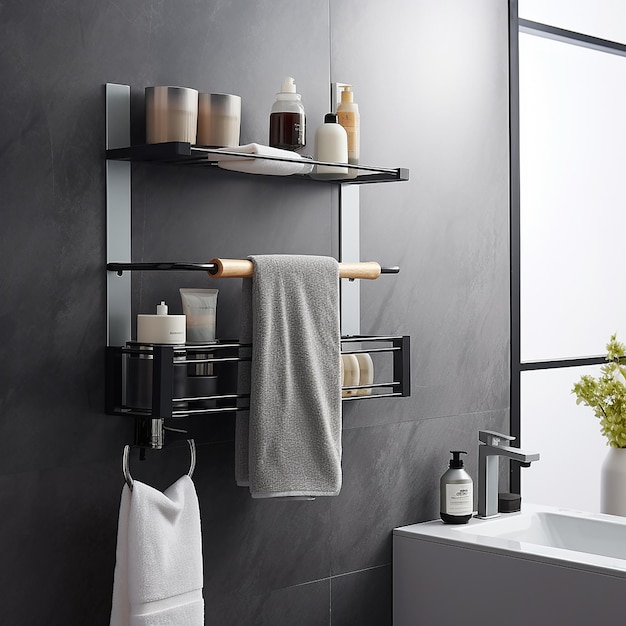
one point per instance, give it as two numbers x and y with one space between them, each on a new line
459 499
348 120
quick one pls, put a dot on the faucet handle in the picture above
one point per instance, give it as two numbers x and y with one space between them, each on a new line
492 438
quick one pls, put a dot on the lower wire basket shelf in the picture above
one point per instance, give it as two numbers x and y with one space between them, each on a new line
157 382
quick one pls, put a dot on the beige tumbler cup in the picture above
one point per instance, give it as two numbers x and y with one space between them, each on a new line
219 120
171 114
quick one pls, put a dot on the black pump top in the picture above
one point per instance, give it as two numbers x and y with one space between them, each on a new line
329 118
456 462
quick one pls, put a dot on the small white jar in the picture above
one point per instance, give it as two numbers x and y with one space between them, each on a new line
161 328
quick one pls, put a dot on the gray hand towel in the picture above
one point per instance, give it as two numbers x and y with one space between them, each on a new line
290 443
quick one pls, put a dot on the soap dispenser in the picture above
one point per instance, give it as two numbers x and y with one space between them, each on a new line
457 493
287 118
348 116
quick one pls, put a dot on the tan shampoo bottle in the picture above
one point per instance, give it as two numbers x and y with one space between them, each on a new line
348 116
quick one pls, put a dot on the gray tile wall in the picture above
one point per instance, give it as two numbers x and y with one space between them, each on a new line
431 81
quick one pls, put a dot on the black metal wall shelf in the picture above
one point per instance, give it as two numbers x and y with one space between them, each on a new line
162 368
181 153
120 154
164 378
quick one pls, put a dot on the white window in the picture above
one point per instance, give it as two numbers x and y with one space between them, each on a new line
572 233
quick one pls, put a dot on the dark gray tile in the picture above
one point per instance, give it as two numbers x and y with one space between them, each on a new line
302 605
362 598
60 58
59 531
60 479
447 227
254 546
391 478
220 218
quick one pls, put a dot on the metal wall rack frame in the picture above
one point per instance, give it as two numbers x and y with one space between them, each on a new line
119 155
164 361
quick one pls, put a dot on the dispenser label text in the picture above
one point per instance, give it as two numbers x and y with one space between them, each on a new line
459 499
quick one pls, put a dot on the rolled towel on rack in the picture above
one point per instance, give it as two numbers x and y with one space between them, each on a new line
158 571
268 166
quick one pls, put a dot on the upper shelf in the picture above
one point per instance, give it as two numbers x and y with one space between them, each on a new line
181 153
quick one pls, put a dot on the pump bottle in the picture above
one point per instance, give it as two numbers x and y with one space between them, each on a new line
456 489
349 118
287 118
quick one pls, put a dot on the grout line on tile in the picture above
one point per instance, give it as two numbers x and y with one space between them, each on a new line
433 417
358 571
332 576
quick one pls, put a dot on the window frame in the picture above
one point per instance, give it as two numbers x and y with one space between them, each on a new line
517 25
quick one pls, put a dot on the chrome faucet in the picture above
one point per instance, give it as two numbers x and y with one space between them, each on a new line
492 446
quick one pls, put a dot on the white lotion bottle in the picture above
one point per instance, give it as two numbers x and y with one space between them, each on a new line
331 145
457 492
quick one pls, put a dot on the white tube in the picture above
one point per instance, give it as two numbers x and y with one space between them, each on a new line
199 306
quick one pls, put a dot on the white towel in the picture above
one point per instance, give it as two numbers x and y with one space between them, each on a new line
263 166
290 444
158 570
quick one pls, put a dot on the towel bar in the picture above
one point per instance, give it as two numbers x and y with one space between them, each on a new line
242 268
126 463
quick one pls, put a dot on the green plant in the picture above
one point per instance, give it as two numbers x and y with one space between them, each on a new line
606 395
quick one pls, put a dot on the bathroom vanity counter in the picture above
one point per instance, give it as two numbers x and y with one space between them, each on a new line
542 565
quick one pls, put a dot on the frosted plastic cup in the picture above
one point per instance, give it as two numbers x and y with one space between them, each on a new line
219 120
171 114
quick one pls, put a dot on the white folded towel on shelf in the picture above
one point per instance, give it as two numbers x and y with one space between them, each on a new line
158 571
289 444
262 166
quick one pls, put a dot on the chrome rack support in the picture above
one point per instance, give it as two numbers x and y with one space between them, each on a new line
118 214
349 251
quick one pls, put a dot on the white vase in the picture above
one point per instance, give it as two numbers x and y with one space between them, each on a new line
613 482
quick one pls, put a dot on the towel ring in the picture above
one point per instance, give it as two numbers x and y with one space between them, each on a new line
126 463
